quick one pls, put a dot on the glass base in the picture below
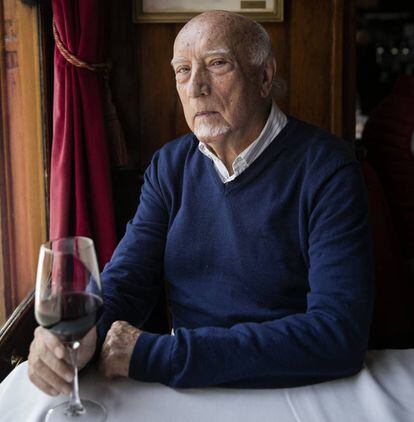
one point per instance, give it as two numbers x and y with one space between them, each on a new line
93 412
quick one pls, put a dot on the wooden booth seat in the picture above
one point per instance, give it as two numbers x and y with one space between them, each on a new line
16 336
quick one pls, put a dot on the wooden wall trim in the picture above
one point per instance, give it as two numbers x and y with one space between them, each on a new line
336 66
23 206
5 297
349 71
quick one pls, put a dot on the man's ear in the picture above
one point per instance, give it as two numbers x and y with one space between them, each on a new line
268 76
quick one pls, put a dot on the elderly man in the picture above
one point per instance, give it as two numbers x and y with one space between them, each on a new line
257 221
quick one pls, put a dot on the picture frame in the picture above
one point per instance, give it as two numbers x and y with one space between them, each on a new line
174 11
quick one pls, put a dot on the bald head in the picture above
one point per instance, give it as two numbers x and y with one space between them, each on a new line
247 37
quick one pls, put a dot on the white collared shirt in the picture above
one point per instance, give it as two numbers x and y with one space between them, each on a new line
275 123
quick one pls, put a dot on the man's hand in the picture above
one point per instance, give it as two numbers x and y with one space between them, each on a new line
49 362
117 349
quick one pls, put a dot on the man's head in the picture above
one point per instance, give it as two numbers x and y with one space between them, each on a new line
224 71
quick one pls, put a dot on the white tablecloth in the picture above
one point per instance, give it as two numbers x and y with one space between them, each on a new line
382 392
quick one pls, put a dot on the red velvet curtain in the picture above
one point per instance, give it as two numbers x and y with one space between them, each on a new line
80 185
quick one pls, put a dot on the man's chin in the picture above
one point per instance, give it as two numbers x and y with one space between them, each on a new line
212 134
210 139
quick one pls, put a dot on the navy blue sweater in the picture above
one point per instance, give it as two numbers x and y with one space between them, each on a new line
270 275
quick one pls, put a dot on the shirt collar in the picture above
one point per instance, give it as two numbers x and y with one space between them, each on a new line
274 124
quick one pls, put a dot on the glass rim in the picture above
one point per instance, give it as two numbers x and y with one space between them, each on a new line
48 245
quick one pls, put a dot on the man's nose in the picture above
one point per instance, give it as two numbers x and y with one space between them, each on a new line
198 84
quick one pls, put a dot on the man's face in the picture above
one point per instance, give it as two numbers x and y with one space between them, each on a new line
215 84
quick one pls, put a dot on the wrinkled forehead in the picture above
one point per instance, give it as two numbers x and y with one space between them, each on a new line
204 36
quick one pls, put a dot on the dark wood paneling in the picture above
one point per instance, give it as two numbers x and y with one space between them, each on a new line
122 47
310 58
156 87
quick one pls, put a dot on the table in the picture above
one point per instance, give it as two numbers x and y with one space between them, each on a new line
382 392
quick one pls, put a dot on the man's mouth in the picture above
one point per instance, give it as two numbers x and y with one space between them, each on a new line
205 113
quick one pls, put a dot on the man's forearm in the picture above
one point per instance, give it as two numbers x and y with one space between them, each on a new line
299 349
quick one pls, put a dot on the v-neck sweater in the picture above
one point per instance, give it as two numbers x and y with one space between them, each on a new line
269 276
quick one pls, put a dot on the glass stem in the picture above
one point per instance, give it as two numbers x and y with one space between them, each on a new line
75 405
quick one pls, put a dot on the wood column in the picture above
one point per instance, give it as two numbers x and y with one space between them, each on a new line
22 175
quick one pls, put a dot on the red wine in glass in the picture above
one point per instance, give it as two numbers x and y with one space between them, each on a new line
79 312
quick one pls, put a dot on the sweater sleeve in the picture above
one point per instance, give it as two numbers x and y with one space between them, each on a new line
327 341
131 281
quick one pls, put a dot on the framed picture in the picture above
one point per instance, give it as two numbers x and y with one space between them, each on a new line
155 11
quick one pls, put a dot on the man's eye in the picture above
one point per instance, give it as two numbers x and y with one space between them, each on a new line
182 70
218 63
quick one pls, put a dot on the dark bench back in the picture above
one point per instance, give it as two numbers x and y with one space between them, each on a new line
16 336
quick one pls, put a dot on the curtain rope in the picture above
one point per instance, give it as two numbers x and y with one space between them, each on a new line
72 59
113 125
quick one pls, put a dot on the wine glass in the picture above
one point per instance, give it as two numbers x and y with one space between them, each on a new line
68 303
